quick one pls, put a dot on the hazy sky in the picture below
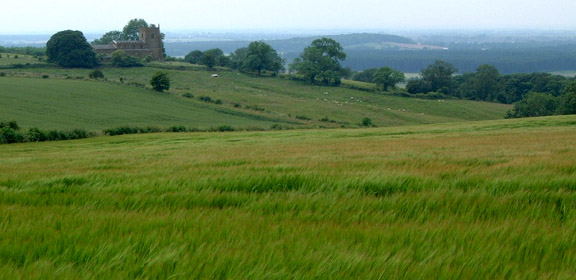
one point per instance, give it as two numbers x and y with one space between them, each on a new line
49 16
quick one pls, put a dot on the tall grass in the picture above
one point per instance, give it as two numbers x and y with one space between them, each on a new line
488 200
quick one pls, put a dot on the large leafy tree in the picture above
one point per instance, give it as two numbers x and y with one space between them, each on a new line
109 37
261 56
129 32
237 58
69 48
132 28
438 76
568 100
486 82
388 77
211 57
365 76
321 60
534 104
160 81
193 57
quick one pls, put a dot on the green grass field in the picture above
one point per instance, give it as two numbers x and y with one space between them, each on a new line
473 200
8 59
67 99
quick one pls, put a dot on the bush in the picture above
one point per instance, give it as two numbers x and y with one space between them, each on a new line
122 59
96 74
9 135
177 128
303 118
130 130
2 74
37 135
255 108
224 128
45 76
10 124
207 99
326 119
367 122
188 95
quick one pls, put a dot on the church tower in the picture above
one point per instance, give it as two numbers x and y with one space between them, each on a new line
152 39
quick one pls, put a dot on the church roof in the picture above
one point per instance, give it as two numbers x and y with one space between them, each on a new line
104 47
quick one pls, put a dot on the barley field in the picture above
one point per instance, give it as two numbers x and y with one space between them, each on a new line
470 200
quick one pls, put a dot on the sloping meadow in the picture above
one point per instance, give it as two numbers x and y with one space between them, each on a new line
481 200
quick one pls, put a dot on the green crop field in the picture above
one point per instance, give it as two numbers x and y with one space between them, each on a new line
55 98
474 200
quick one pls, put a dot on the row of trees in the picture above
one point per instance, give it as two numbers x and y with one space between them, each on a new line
319 62
385 77
534 94
256 58
536 104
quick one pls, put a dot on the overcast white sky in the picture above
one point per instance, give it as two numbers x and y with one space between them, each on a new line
50 16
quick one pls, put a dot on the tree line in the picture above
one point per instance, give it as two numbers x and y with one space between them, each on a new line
534 94
318 63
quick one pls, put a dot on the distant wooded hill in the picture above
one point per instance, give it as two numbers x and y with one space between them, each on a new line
366 50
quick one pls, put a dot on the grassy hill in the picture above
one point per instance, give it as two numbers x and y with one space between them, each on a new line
476 200
61 98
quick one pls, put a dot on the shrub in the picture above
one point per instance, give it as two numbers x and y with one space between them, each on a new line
303 118
255 108
96 74
36 135
367 122
224 128
122 59
207 99
2 74
10 124
130 130
9 135
45 76
177 128
188 95
326 119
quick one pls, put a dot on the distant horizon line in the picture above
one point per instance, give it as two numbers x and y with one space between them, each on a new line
288 31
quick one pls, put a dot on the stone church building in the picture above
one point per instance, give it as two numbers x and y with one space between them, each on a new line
149 45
